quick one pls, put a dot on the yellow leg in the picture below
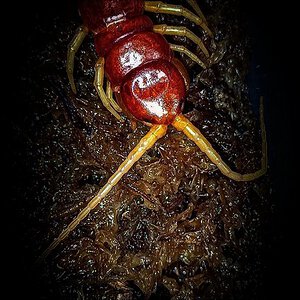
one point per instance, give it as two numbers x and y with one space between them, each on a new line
109 94
197 9
73 47
178 10
190 54
98 83
155 133
181 31
194 134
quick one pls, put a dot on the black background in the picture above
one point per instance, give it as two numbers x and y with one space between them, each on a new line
274 35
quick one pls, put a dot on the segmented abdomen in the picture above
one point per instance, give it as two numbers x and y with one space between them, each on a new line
138 62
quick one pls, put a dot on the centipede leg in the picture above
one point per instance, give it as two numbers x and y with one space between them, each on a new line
181 31
73 47
178 10
194 134
197 9
98 83
191 55
155 133
109 94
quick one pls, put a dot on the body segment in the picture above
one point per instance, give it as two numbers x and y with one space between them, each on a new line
154 92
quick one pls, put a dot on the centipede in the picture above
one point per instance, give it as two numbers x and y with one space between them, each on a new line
139 78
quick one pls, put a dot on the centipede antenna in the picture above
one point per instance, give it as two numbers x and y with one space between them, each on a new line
155 133
193 133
